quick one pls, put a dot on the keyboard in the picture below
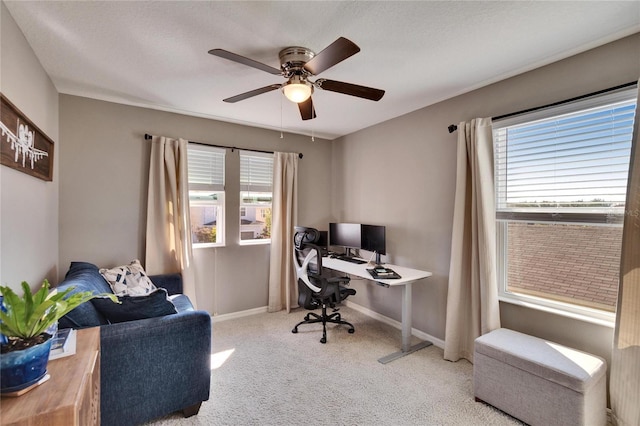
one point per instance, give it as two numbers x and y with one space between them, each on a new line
351 260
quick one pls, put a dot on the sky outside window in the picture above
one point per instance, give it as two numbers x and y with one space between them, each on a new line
569 160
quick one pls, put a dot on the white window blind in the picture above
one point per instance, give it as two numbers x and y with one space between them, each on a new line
206 168
256 172
565 167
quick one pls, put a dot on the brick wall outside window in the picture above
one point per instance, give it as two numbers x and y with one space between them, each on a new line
575 263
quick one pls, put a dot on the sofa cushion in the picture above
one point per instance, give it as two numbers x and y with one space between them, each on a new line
133 308
181 302
170 282
129 280
83 276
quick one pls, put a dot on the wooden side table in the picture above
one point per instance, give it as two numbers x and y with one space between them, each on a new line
70 397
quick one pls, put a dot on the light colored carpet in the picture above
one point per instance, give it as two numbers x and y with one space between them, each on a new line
274 377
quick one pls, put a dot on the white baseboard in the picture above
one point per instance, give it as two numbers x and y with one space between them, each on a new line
393 323
366 311
239 314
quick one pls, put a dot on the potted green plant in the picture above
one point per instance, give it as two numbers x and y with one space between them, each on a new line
24 322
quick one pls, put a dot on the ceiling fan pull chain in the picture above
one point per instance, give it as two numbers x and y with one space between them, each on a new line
281 134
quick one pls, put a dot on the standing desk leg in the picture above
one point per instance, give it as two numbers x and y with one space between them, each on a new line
406 317
406 330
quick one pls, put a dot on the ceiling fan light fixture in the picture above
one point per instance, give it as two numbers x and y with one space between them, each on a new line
297 90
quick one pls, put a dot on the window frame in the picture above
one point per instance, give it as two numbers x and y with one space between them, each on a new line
599 217
256 187
216 188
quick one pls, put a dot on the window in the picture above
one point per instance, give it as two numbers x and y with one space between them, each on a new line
206 195
560 180
256 185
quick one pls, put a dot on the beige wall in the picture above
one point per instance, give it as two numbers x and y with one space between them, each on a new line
28 205
104 166
401 174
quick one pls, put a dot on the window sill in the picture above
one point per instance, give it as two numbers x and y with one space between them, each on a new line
254 242
593 316
206 245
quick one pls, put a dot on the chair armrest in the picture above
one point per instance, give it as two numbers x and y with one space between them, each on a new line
154 366
171 282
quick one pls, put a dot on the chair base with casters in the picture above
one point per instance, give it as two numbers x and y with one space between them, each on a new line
334 318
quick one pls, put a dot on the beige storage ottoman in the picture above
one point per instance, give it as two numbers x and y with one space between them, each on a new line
539 382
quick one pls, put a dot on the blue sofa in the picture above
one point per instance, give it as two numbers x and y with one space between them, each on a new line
148 367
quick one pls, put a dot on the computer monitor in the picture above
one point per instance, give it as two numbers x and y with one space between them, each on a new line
346 235
373 238
323 241
358 236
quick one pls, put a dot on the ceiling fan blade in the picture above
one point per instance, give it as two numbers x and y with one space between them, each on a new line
252 93
351 89
306 109
245 61
333 54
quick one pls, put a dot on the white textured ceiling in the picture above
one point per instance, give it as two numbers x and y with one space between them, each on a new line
154 53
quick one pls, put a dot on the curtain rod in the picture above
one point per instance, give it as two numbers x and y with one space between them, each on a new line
147 136
452 127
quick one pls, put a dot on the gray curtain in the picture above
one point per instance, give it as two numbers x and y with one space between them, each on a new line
625 359
283 291
472 298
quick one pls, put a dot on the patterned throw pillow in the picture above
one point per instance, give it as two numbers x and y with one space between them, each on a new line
128 280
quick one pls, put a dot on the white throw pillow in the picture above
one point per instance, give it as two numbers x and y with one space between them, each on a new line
129 280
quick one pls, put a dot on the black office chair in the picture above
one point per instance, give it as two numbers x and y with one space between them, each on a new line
314 287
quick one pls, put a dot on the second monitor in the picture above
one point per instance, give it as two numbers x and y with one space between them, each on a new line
373 239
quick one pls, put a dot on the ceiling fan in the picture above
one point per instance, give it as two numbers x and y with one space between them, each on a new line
297 65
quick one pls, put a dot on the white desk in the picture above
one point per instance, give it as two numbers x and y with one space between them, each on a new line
409 276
